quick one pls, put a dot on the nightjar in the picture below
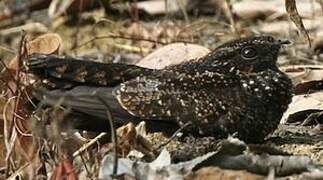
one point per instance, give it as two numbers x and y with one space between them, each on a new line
235 89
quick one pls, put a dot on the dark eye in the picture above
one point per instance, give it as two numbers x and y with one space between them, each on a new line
249 53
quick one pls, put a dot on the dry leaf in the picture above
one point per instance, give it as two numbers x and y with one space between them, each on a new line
304 104
172 54
129 139
48 43
295 17
306 78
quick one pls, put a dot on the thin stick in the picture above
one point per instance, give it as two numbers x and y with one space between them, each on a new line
182 6
7 49
16 103
10 74
173 136
85 166
87 145
117 37
231 19
113 136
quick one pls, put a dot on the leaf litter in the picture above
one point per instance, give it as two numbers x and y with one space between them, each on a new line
137 149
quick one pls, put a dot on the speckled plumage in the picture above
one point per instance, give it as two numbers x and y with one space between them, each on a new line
237 88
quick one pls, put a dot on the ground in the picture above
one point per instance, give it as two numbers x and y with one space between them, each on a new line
128 41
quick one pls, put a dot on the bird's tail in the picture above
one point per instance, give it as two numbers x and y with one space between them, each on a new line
81 71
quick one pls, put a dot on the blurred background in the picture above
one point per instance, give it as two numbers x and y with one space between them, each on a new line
121 30
132 31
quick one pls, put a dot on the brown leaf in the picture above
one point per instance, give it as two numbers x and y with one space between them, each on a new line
48 43
130 139
306 78
295 17
172 54
302 106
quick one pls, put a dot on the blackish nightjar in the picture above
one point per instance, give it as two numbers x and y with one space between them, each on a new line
235 89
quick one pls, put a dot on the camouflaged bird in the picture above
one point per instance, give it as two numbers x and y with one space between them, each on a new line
237 88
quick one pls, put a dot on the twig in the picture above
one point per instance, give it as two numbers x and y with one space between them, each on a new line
113 136
117 37
13 134
87 145
85 166
8 49
131 48
229 14
182 6
173 136
10 74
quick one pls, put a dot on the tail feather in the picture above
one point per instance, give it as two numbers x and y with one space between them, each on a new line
82 71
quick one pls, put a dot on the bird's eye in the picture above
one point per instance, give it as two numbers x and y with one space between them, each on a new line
248 53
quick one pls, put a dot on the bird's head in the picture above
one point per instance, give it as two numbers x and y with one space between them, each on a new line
252 54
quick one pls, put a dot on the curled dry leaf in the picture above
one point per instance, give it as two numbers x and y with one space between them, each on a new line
296 18
172 54
306 78
302 106
49 43
129 139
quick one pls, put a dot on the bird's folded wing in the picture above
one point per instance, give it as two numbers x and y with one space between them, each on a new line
165 99
81 71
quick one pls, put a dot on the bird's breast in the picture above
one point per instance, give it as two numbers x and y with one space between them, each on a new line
271 87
